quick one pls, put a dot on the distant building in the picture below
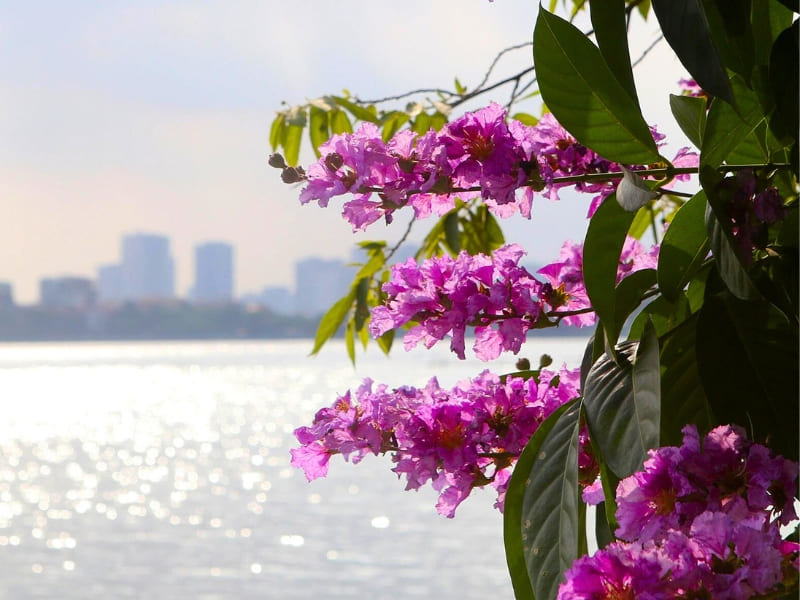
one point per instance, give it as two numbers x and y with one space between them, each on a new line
320 283
6 295
109 283
213 279
67 292
277 299
148 271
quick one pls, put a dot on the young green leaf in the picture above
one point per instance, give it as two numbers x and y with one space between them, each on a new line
583 94
333 319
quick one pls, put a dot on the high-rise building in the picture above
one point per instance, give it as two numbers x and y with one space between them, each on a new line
213 272
320 283
6 295
67 292
147 268
109 283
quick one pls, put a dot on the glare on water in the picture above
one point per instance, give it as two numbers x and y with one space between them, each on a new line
161 470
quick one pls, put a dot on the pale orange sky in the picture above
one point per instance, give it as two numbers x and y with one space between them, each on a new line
117 117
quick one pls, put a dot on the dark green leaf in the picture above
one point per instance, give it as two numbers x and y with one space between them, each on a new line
361 312
629 294
726 128
601 251
729 23
623 404
690 114
683 399
333 319
686 30
783 78
610 30
550 505
747 354
512 512
664 315
720 235
385 341
583 94
684 247
769 18
602 530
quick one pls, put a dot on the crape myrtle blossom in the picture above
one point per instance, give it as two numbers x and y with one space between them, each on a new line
496 296
482 155
699 521
456 439
752 206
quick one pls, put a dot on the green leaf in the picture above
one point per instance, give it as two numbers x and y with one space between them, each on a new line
318 128
684 247
726 128
623 404
525 119
359 112
350 342
452 233
610 30
392 124
686 30
550 505
385 341
512 512
361 312
332 320
690 114
292 135
683 399
275 131
339 122
664 315
602 530
748 361
583 94
601 251
641 223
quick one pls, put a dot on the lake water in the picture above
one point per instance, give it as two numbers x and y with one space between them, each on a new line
161 471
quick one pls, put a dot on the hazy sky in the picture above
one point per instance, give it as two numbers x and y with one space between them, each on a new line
117 117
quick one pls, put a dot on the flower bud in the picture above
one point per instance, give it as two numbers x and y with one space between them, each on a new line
276 160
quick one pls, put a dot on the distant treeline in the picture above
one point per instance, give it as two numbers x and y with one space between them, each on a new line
151 321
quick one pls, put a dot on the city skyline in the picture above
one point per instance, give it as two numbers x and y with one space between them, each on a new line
145 272
121 117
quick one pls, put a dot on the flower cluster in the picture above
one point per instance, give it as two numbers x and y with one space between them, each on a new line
480 154
499 298
753 206
456 439
700 521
